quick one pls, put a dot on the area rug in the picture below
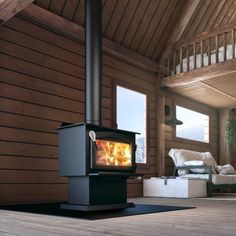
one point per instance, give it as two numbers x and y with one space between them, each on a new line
54 209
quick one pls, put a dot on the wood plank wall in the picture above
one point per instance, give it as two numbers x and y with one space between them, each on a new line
172 142
42 85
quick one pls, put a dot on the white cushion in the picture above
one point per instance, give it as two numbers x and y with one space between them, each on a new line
234 179
226 169
196 163
196 176
216 179
222 179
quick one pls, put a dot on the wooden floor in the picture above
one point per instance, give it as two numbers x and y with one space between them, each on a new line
210 217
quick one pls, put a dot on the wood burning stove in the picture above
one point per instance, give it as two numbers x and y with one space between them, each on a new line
98 161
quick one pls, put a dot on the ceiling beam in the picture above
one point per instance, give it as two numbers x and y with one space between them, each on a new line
9 8
201 74
180 27
76 32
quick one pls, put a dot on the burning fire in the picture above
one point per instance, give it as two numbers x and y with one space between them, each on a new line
113 153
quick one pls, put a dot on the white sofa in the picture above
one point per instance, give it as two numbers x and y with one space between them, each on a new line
202 165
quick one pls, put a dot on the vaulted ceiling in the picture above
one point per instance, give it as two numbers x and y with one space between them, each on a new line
140 25
210 15
149 27
145 26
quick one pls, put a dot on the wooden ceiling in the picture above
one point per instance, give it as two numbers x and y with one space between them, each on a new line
218 92
210 15
140 25
214 85
146 26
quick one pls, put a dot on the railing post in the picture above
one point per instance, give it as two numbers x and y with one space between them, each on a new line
225 46
181 59
194 56
217 48
233 44
187 56
201 53
174 61
209 52
168 66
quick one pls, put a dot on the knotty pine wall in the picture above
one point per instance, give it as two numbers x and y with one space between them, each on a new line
42 85
172 142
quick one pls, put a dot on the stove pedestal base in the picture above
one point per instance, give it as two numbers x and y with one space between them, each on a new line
97 192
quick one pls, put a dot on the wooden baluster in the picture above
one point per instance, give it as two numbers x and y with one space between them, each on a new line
209 52
233 44
174 61
217 48
201 53
194 55
225 46
168 66
187 56
181 59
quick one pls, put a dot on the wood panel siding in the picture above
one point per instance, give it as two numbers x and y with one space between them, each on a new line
145 26
172 142
125 21
43 3
75 32
163 32
216 94
79 14
70 8
8 9
210 15
57 6
42 85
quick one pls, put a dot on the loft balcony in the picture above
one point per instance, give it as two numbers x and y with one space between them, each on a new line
204 69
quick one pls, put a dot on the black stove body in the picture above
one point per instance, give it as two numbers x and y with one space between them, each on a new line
97 161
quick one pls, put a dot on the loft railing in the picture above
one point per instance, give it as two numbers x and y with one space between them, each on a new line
201 52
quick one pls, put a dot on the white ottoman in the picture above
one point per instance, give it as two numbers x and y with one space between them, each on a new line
177 188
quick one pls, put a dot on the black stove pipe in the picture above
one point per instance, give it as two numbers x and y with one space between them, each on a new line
93 61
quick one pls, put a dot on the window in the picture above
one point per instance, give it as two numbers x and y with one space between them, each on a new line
131 116
195 125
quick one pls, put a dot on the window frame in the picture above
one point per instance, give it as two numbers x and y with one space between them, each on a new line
190 141
138 89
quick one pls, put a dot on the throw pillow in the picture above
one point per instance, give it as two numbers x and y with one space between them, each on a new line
226 170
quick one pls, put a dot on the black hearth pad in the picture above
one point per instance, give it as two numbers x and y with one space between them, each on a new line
54 209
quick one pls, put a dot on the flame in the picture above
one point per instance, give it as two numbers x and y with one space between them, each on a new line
113 153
